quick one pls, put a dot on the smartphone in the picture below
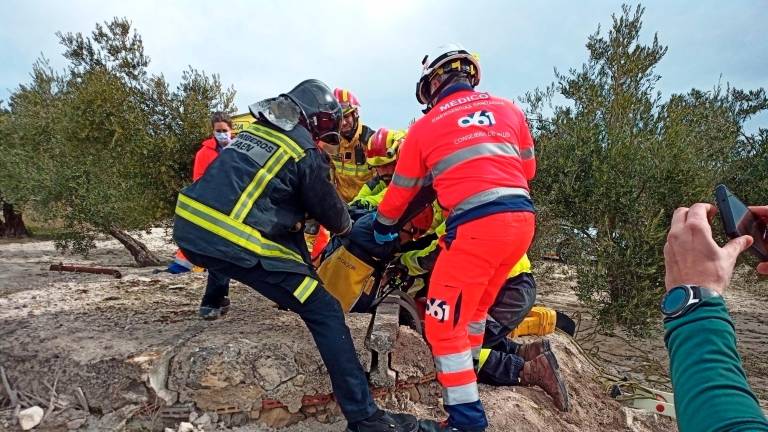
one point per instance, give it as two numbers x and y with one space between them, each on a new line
738 220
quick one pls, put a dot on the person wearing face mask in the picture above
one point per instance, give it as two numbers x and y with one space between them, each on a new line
215 302
221 124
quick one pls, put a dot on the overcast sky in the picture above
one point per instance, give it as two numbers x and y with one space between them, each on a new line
374 47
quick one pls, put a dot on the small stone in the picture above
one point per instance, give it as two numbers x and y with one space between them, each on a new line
76 423
193 416
203 420
186 427
169 430
30 417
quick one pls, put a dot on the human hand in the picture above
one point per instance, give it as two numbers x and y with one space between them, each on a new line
762 212
691 256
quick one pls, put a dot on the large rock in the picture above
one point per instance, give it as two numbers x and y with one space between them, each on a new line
139 342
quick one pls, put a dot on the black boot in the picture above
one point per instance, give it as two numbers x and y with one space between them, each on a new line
208 312
383 421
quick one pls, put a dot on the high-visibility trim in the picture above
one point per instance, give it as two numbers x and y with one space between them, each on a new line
379 161
385 220
476 327
305 289
461 394
522 266
476 350
411 261
454 362
350 169
406 182
469 153
527 154
276 137
484 353
236 232
487 196
258 184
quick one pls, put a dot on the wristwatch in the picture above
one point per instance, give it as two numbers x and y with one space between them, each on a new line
679 299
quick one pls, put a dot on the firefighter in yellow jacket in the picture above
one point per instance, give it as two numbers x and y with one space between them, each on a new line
350 169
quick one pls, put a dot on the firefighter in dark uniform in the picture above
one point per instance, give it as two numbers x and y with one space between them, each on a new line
244 218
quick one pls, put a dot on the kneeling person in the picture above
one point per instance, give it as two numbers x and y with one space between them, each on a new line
501 361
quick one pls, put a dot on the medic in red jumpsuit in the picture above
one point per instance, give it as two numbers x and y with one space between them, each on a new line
477 152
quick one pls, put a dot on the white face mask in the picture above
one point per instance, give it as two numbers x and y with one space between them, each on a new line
222 137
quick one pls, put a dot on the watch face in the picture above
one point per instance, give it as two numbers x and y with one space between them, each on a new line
675 300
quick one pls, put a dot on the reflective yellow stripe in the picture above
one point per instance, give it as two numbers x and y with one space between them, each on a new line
237 232
258 184
305 289
351 169
276 137
484 353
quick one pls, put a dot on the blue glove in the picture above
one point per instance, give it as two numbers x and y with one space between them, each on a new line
385 238
379 237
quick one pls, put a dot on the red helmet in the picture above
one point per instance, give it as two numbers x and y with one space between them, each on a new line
347 100
422 222
383 146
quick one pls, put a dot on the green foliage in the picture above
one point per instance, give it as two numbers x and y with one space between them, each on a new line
102 145
617 160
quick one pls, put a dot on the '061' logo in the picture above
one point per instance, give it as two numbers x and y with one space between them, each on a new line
438 309
478 118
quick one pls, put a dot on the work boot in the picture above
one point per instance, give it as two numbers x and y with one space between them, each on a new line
211 313
225 306
534 349
542 371
433 426
385 421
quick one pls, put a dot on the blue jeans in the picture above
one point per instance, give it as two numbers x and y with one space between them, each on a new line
323 317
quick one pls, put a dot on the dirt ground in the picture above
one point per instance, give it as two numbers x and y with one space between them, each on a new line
110 334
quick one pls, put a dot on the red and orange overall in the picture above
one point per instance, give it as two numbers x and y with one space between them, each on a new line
477 152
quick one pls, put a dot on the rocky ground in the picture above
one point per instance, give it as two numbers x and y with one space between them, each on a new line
99 353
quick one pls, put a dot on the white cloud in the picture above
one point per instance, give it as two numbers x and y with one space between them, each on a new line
374 47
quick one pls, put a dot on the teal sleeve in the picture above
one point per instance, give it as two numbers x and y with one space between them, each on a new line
710 386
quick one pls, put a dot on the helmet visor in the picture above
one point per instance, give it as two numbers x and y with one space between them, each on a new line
327 127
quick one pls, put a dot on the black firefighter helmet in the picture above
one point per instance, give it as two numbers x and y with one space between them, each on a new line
311 104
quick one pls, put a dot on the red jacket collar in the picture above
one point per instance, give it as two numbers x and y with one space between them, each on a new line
211 143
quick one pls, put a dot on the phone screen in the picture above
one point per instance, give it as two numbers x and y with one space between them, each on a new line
746 223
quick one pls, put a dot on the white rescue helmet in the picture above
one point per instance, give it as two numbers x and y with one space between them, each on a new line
446 59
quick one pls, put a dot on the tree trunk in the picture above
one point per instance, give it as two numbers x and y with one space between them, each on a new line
13 225
143 256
